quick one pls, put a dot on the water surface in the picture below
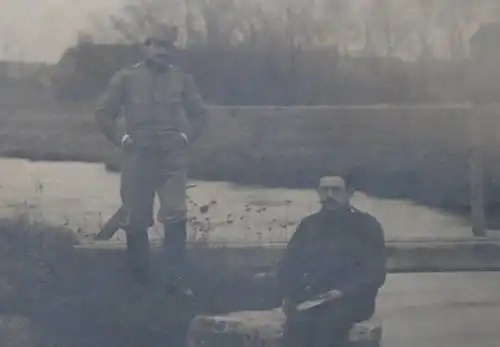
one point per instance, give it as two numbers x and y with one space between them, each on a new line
82 196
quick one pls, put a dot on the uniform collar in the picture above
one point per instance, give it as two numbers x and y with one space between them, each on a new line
336 213
156 67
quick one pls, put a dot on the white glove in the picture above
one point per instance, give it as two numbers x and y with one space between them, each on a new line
184 136
126 140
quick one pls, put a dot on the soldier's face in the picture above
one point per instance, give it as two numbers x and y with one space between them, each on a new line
333 193
158 51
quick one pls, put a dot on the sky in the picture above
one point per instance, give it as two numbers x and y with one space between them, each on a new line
40 30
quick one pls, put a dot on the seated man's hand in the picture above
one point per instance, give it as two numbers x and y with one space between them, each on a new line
332 295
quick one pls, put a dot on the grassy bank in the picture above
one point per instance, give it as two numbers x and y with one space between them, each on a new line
51 133
52 294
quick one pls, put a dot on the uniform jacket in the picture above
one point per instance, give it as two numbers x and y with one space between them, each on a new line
154 102
342 250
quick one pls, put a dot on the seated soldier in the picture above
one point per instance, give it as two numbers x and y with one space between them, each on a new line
332 270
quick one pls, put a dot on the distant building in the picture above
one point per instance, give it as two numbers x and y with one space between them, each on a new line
20 70
84 70
485 64
485 43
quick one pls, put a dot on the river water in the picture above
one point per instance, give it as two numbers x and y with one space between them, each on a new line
82 196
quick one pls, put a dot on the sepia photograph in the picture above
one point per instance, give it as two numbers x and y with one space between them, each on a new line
249 173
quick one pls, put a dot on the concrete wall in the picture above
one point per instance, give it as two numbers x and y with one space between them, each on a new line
240 277
403 256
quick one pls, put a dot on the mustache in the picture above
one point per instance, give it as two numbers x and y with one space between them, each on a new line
330 200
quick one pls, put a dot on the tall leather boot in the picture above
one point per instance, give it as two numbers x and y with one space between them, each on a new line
174 249
138 255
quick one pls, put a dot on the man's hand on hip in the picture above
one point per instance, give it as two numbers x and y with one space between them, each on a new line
127 141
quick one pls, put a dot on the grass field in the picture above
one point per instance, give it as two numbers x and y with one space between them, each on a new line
51 133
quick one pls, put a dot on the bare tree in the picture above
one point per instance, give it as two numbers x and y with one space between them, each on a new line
390 27
424 32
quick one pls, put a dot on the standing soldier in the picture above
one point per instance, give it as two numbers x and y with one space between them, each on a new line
164 114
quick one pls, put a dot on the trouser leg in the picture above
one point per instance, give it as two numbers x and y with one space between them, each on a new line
317 328
298 332
138 254
332 326
137 191
174 248
328 335
172 213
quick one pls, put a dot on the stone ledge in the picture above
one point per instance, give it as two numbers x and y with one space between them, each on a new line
414 255
15 331
265 328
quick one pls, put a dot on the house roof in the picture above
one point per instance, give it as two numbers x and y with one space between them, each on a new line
487 35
